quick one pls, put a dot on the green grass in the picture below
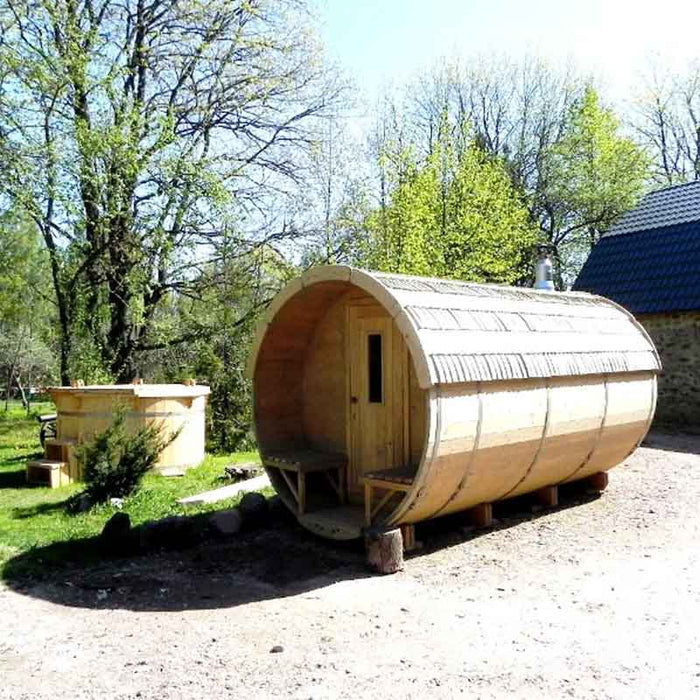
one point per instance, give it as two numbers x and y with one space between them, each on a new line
33 517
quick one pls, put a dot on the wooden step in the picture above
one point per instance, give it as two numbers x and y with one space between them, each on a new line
58 449
337 523
48 472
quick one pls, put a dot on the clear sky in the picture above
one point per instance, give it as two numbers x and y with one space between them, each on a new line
381 42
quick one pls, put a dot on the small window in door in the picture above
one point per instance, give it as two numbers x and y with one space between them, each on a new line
375 366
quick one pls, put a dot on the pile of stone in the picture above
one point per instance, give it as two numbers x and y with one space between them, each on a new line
176 531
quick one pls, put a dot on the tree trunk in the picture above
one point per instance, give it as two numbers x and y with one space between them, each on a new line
558 277
65 357
8 387
25 403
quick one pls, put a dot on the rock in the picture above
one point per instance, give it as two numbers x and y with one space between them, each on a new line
253 507
116 534
226 522
171 532
279 510
238 472
81 503
277 649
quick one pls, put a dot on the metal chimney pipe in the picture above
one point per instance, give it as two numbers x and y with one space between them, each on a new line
544 271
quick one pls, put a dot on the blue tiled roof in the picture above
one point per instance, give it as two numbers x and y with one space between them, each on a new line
648 271
673 205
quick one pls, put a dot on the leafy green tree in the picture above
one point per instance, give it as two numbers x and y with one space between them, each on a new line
26 312
142 138
456 215
564 150
219 357
595 175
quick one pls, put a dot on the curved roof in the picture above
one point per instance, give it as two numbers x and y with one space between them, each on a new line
461 332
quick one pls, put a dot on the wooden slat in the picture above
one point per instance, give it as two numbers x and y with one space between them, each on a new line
398 475
306 461
290 484
379 505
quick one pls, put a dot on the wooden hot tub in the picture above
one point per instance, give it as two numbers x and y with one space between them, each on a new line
84 411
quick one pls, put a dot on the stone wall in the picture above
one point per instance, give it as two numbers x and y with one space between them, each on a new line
677 338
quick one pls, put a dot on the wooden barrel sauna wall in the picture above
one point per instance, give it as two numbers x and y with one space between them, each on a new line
457 394
84 411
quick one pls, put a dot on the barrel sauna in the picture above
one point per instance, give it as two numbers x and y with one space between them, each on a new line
387 400
84 411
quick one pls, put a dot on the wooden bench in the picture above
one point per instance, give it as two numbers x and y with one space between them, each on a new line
48 426
303 462
390 480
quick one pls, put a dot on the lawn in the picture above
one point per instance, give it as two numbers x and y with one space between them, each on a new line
34 516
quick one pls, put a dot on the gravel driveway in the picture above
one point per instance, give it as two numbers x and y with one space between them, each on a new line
598 598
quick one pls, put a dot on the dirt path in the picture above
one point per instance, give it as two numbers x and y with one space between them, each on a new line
599 599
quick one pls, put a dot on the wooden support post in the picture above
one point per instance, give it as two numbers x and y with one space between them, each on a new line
342 479
383 501
481 515
384 550
368 504
408 533
291 485
301 485
598 481
548 496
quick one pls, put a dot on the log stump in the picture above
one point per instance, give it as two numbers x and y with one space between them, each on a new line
598 482
384 550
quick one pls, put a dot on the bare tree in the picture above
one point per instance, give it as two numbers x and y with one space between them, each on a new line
667 120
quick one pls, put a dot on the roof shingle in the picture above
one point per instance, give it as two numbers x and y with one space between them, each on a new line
673 205
648 271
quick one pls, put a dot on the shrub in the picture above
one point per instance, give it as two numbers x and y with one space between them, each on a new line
115 461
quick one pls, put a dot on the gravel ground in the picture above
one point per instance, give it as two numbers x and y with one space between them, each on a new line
598 598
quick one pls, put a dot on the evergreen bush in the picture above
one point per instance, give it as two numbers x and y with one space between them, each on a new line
115 461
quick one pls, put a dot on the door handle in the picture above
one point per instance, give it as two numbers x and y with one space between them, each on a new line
354 399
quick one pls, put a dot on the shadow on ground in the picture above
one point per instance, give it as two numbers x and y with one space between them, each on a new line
273 562
24 512
23 458
277 561
14 480
673 441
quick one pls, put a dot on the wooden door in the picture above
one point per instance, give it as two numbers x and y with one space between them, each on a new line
376 394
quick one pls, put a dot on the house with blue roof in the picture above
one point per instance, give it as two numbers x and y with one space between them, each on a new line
649 262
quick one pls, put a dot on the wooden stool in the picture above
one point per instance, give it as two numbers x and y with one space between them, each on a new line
303 462
389 480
